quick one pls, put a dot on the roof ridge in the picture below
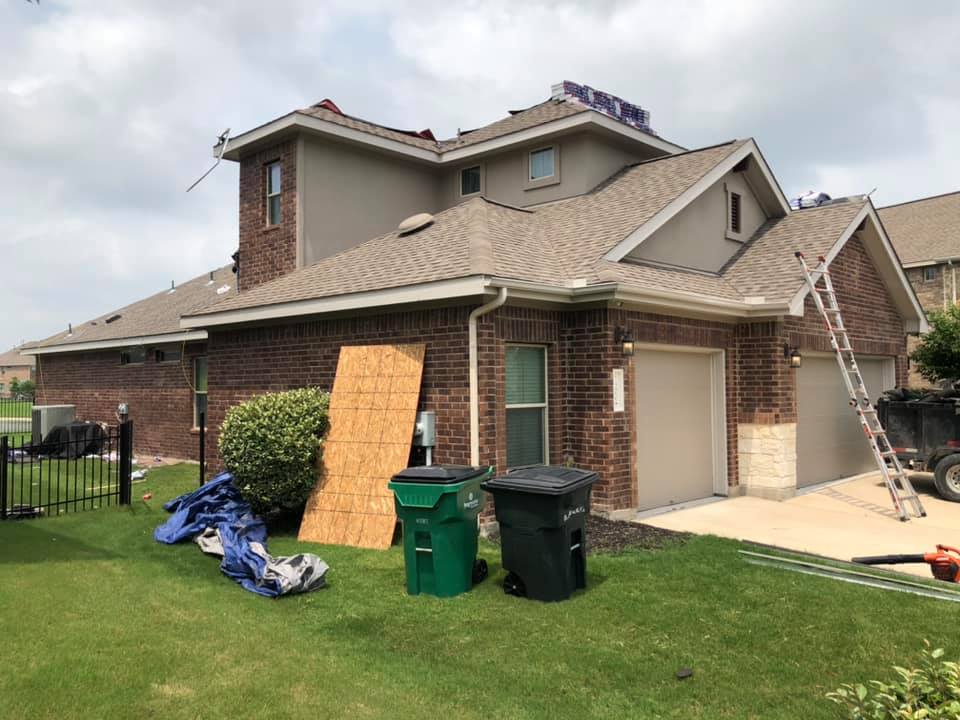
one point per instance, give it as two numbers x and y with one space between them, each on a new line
923 199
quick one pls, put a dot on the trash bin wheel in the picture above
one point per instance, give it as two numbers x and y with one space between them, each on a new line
480 571
513 585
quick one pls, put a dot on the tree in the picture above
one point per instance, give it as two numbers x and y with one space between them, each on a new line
938 355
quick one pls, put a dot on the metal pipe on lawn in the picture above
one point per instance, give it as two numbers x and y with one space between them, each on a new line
475 372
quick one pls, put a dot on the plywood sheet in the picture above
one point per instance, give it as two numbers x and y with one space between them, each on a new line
373 409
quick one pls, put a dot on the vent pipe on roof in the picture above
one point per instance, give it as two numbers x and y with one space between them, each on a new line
69 329
173 288
210 281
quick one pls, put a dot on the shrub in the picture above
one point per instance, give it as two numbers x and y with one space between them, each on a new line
270 443
931 691
938 354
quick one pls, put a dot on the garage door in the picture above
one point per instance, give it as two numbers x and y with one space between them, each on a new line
830 443
680 436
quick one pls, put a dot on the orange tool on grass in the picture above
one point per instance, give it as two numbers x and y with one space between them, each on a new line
944 563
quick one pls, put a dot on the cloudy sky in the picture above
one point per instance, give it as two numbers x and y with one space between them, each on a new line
108 108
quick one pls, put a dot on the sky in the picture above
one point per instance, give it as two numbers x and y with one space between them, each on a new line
109 108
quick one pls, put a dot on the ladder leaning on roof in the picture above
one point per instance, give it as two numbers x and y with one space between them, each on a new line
897 482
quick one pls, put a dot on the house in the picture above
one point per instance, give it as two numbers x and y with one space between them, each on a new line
139 356
926 235
14 366
587 292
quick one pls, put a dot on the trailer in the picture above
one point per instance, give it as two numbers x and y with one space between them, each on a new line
925 434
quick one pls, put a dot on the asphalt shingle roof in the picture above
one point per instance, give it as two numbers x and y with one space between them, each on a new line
924 230
566 241
13 358
158 314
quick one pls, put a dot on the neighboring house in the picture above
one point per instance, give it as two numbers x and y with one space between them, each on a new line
562 239
926 234
137 355
14 366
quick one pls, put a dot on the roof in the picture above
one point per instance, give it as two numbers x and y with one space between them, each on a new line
924 230
158 315
13 358
531 117
563 245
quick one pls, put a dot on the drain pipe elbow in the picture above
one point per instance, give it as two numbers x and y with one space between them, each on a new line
475 372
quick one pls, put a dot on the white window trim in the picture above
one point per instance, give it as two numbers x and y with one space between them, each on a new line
529 182
277 193
459 180
545 405
196 417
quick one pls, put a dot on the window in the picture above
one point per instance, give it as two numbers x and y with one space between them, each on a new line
133 356
526 369
470 180
273 193
930 273
734 212
170 354
542 163
199 390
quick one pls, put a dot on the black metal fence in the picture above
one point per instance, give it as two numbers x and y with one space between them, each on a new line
15 415
88 468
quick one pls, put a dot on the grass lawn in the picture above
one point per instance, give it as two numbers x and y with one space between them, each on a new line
15 408
99 621
84 483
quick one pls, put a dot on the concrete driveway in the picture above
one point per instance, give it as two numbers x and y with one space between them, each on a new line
841 521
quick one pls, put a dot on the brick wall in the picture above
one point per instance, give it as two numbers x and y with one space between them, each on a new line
933 294
267 252
160 395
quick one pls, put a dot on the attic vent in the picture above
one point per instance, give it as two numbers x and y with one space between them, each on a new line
735 212
112 318
414 223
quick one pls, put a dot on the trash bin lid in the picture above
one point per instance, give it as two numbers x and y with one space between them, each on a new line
439 474
542 480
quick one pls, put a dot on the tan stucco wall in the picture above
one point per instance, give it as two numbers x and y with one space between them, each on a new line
698 237
350 195
585 160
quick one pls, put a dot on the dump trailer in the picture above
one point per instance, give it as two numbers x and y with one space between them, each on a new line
925 434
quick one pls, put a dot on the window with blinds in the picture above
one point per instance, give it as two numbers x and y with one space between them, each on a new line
526 403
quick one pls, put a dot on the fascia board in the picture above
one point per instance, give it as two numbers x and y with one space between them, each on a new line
117 343
424 292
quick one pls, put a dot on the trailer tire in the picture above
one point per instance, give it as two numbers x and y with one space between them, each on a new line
946 478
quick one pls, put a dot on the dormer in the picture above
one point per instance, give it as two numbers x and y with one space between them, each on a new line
710 223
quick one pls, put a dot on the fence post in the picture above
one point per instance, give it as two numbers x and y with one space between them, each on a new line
4 459
203 447
126 462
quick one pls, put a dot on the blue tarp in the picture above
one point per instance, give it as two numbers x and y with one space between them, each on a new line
224 525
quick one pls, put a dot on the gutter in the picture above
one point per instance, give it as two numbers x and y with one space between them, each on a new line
475 315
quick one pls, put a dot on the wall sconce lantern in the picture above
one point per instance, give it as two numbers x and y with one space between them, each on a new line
625 338
793 355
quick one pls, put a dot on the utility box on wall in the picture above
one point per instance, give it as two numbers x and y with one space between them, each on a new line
47 417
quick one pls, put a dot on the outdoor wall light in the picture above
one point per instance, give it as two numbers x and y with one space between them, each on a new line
625 338
793 355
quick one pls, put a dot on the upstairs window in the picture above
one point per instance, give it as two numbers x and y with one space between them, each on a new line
273 193
735 201
542 163
470 181
930 273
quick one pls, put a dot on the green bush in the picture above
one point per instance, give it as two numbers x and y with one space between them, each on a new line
931 691
270 444
938 354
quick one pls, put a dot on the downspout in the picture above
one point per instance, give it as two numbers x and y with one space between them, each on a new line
475 373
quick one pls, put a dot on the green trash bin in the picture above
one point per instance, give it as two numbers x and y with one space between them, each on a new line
438 506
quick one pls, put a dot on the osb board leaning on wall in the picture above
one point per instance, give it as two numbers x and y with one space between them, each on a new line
373 409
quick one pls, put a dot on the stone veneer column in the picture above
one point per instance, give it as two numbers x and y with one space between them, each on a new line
768 459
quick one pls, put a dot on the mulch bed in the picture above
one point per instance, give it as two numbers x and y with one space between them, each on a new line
615 536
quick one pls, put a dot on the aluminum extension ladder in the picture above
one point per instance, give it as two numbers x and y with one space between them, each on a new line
897 482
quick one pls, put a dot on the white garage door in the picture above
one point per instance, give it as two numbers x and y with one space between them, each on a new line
681 444
830 443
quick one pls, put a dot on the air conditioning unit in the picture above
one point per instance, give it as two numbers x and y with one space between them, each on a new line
47 417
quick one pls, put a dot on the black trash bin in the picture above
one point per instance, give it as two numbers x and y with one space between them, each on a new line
542 511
